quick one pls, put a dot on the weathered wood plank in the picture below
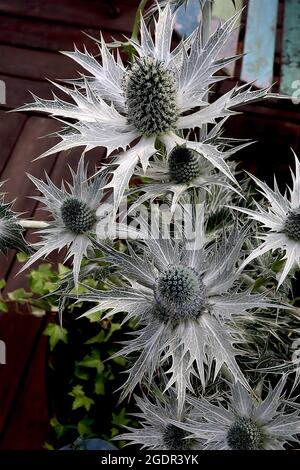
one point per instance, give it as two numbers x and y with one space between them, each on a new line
290 71
260 42
87 13
38 65
49 36
19 332
17 91
11 126
28 146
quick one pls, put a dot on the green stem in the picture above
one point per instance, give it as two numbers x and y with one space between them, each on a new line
205 34
137 20
263 290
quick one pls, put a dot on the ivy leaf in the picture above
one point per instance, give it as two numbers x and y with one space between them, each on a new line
19 295
22 257
80 398
81 373
99 338
92 361
48 446
96 316
113 327
43 280
59 428
56 333
3 306
84 427
120 419
100 384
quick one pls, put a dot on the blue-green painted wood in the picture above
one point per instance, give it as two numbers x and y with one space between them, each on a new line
290 69
260 42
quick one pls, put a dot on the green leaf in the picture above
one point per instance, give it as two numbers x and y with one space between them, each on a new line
3 306
48 446
99 338
84 427
113 327
96 316
80 398
120 419
38 312
19 295
22 257
59 428
92 361
43 280
277 266
62 269
100 384
56 333
81 372
2 283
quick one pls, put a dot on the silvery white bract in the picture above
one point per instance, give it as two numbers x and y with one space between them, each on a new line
183 171
175 4
75 216
185 295
157 431
11 236
245 423
281 218
155 97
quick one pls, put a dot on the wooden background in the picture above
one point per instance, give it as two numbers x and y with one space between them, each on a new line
31 33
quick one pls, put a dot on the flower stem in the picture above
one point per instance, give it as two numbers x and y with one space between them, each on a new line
205 34
137 20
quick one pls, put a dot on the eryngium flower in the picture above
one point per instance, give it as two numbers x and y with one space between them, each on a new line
184 170
245 422
281 218
182 293
157 431
11 236
157 96
74 213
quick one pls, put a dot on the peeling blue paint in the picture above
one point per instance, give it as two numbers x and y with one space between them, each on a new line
290 70
260 42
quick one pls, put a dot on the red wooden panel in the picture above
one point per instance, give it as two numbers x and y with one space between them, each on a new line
91 13
19 332
50 36
27 424
17 91
18 185
10 127
35 64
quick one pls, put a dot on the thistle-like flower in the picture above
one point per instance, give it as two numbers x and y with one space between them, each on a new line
245 423
183 171
157 96
157 431
182 292
281 218
11 232
75 213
